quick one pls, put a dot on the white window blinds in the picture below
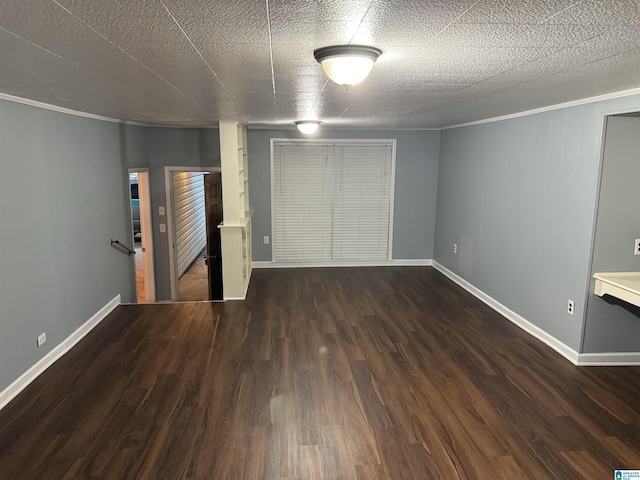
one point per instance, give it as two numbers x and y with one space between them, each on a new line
302 203
361 202
332 202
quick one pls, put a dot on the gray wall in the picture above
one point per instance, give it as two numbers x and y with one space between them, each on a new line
63 196
168 147
612 325
518 197
415 188
133 148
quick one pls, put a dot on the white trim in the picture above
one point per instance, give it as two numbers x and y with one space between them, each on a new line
546 338
93 116
611 359
49 359
614 359
573 103
382 263
56 108
558 106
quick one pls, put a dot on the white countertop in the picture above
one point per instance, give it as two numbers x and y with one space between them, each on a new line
622 285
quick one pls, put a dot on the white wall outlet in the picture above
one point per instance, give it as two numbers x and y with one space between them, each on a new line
41 338
163 228
636 247
455 248
161 210
266 239
571 307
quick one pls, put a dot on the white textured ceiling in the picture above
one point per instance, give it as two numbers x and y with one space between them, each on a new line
195 62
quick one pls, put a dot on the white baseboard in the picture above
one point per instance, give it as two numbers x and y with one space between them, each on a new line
549 340
380 263
49 359
614 359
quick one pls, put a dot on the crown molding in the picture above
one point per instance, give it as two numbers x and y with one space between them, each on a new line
56 108
78 113
558 106
291 126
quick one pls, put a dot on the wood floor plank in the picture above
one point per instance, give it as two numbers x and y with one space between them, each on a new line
346 373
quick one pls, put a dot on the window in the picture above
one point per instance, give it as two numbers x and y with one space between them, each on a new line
332 201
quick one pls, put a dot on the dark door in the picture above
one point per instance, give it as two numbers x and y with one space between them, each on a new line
213 206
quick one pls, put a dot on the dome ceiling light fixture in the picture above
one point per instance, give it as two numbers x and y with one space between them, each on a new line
308 127
347 64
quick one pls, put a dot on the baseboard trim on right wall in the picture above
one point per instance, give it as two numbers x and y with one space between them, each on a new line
613 359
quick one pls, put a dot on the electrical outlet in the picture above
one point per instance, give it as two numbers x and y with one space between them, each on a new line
163 228
41 339
266 239
455 248
571 306
160 210
636 247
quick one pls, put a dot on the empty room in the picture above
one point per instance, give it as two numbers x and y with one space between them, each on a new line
413 227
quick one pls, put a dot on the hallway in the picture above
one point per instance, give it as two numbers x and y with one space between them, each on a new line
193 286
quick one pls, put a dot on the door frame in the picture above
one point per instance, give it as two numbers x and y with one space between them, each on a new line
171 234
146 229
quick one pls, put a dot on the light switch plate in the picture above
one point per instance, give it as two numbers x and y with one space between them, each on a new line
160 210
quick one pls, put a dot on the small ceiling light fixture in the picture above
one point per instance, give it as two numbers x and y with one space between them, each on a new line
347 64
308 126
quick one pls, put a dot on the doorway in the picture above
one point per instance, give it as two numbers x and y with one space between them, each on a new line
140 201
193 233
617 225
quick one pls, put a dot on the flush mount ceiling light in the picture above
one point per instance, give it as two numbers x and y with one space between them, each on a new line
347 64
308 126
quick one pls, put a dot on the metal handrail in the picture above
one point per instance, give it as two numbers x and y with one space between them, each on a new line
129 250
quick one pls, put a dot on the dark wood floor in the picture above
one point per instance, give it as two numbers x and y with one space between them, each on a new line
193 285
366 373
